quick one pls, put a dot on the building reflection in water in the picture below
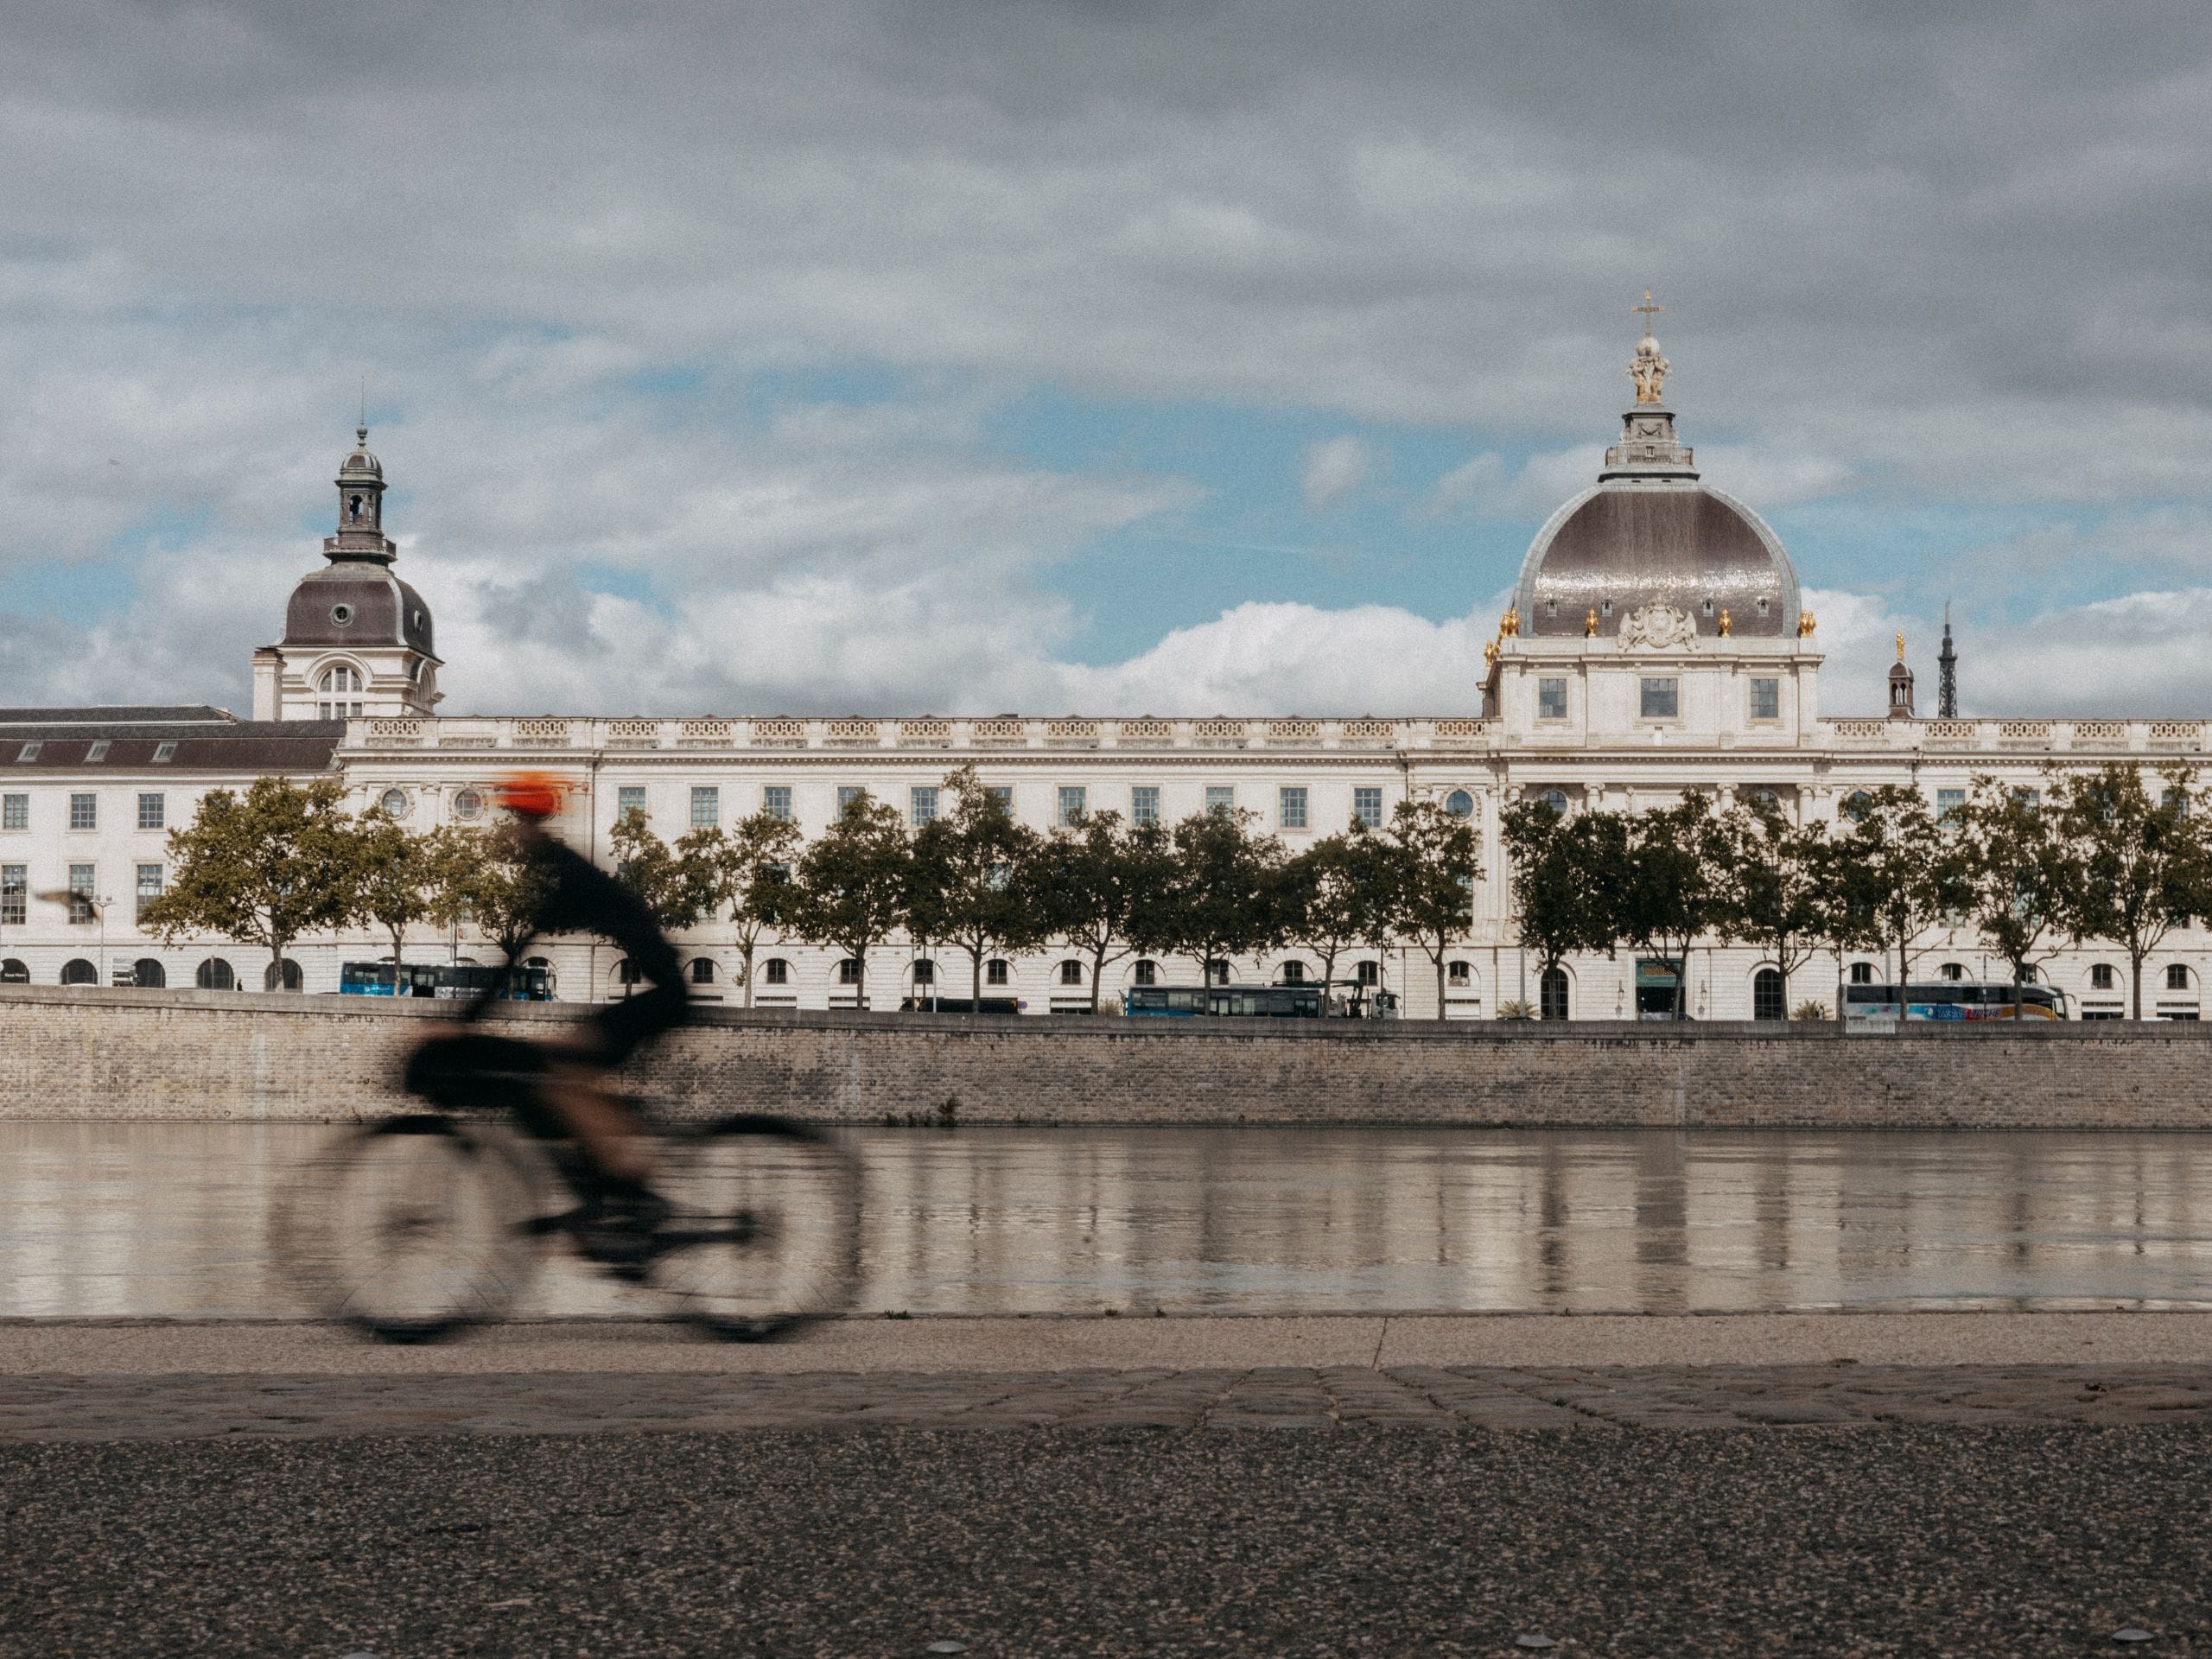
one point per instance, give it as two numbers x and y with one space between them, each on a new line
172 1219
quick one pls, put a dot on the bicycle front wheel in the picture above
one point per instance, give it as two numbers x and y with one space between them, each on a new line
414 1227
765 1233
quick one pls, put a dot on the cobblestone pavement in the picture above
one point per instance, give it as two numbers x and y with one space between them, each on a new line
169 1407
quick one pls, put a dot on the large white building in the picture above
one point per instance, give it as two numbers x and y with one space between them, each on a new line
1656 645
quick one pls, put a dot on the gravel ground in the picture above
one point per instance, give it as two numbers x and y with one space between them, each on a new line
2014 1541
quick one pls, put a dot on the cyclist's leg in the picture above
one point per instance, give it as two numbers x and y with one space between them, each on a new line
575 1089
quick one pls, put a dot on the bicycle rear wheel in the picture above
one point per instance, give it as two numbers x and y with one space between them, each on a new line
412 1227
766 1236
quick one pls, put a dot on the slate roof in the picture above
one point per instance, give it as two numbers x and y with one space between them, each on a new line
205 740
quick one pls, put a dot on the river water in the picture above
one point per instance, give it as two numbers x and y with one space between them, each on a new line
172 1219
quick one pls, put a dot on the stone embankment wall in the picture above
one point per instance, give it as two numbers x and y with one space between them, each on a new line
87 1054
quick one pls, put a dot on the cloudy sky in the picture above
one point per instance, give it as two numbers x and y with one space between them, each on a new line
1051 354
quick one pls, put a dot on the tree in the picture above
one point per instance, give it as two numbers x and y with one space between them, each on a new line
658 879
1096 880
1437 868
1659 895
396 877
263 869
487 881
1553 882
1218 900
2142 863
1770 879
973 879
2023 873
852 884
1332 892
745 877
1902 869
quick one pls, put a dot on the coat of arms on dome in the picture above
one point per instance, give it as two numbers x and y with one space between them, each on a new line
1657 627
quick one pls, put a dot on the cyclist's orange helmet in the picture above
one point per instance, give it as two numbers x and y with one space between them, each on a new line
530 794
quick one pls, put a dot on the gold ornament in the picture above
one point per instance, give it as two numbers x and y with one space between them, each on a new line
1805 624
1508 626
1590 623
1725 624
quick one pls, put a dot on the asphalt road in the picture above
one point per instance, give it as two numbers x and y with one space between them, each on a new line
2013 1541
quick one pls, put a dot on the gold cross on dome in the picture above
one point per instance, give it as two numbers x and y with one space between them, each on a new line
1647 310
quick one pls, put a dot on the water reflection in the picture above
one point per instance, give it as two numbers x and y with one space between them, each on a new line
171 1219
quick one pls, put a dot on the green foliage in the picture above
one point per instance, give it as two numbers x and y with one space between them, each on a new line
1335 894
1653 876
263 869
1811 1009
2144 865
1556 885
852 885
1433 856
744 876
396 876
1771 881
1096 880
665 885
2023 872
1220 897
1896 873
973 879
486 879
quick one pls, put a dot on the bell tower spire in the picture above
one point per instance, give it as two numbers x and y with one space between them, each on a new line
360 507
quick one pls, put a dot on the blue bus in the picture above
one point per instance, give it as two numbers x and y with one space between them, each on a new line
448 983
1247 1002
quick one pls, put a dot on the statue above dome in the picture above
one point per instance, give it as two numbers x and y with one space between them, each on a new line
1647 369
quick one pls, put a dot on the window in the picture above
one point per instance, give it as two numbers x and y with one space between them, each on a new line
1074 803
2175 802
924 971
82 889
1293 972
150 886
15 894
1217 972
1949 804
1766 699
1459 803
2100 976
1551 699
153 812
284 976
776 801
776 971
1221 797
848 972
1857 805
83 811
467 805
2177 977
1555 799
148 973
1662 697
215 975
1144 808
1368 973
628 798
1862 973
1551 994
1459 974
2027 975
1148 972
847 794
163 753
14 812
1367 806
1003 794
706 806
2034 797
28 753
1070 972
394 803
702 971
921 804
78 971
1951 970
98 753
1290 808
1766 995
336 688
997 972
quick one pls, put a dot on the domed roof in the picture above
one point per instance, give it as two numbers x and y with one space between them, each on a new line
360 463
356 604
1626 543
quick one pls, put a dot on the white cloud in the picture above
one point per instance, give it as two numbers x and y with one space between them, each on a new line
1332 469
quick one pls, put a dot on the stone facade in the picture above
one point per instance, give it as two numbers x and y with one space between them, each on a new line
81 1055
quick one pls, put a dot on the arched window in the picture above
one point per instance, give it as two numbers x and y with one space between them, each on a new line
78 971
215 975
1766 995
1369 973
1148 972
702 971
1070 972
1459 974
2177 977
1551 993
282 977
1952 970
467 805
1293 972
1862 973
148 974
545 965
997 971
628 974
13 972
2100 977
337 689
848 972
1459 803
924 971
776 971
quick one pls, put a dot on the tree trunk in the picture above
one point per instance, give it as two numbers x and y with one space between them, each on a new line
975 979
2135 978
398 952
745 954
1440 984
860 979
1097 973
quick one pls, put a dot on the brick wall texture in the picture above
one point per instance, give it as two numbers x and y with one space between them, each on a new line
183 1055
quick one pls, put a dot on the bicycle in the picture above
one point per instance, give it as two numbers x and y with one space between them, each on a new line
414 1227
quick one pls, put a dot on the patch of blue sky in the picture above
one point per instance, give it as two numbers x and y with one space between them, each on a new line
636 586
1918 554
